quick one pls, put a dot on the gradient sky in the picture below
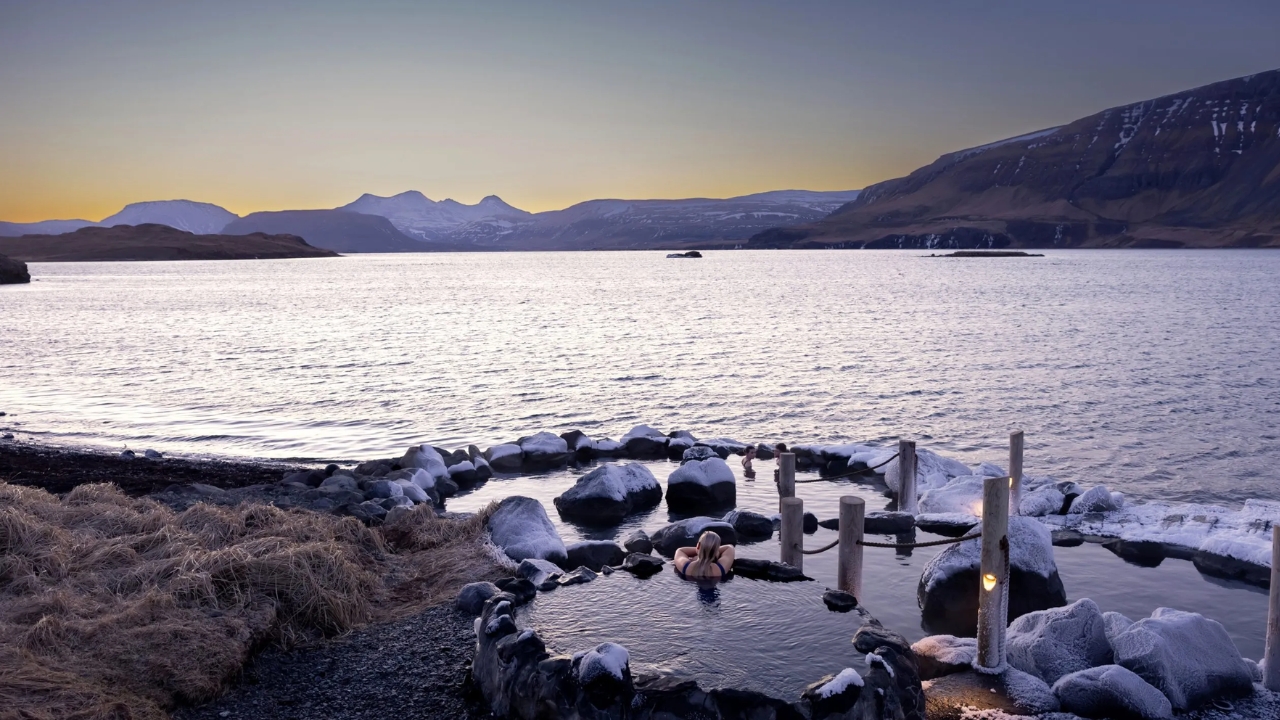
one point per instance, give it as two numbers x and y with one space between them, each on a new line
277 105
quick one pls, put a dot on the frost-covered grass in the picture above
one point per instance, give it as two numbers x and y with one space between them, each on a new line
118 607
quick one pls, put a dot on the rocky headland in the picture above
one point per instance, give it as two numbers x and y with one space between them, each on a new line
13 272
154 242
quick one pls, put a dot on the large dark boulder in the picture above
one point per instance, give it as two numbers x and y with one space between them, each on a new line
643 441
13 272
594 554
948 589
702 485
578 443
543 450
767 570
685 533
609 493
750 525
642 565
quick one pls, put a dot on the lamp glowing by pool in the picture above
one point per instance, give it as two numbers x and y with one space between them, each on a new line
988 582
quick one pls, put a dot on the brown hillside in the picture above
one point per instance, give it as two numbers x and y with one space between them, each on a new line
1199 168
154 242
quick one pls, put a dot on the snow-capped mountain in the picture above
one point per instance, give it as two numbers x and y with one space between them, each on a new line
194 217
419 216
636 224
1199 168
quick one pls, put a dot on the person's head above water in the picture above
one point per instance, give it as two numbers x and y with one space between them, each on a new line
708 548
780 447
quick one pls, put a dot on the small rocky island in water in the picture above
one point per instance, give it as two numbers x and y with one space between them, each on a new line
989 253
13 272
150 241
689 254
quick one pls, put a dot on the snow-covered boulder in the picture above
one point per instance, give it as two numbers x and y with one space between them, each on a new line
426 457
685 533
724 447
608 661
678 442
1113 623
948 589
701 485
383 488
504 458
750 525
594 554
578 443
470 473
643 441
1111 691
1046 500
544 450
939 655
520 527
1184 655
412 491
609 493
962 495
834 695
607 447
1059 641
1095 499
697 453
932 469
339 483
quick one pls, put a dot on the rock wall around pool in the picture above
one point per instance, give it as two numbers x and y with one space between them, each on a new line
519 678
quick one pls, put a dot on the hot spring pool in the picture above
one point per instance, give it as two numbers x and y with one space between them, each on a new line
777 638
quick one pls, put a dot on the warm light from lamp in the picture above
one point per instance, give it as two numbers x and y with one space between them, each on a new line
1010 481
988 582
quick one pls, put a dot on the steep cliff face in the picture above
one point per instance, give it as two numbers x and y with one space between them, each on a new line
1199 168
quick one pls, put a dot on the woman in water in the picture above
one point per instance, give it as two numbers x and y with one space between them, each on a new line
709 559
748 471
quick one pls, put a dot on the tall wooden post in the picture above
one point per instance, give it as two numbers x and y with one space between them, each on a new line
849 570
1015 471
792 534
1271 656
993 590
907 476
786 477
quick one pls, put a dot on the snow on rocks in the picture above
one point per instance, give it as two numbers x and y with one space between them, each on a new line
835 695
947 524
939 655
643 441
507 457
1045 500
1184 655
932 471
948 589
578 443
724 447
520 527
697 453
606 447
605 659
701 485
1059 641
542 450
1111 691
609 493
961 496
1095 499
685 533
426 457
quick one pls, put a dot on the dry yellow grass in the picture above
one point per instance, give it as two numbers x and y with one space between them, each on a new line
116 607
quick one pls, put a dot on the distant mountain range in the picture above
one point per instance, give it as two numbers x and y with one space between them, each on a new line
411 222
1199 168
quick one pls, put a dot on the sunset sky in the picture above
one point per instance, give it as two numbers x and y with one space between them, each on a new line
267 106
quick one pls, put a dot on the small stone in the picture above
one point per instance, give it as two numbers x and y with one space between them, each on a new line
642 565
839 600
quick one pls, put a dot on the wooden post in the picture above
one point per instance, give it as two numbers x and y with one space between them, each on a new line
849 570
993 583
786 477
1015 471
907 476
792 534
1271 656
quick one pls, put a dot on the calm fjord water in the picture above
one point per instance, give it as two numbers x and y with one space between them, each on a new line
1154 371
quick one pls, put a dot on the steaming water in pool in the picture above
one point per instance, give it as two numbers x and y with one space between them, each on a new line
778 638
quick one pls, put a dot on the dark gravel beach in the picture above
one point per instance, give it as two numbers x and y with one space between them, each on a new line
58 470
416 667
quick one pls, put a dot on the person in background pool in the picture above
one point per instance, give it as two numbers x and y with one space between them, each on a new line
709 560
748 471
777 458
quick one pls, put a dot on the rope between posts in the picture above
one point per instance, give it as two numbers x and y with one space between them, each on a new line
895 546
852 473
